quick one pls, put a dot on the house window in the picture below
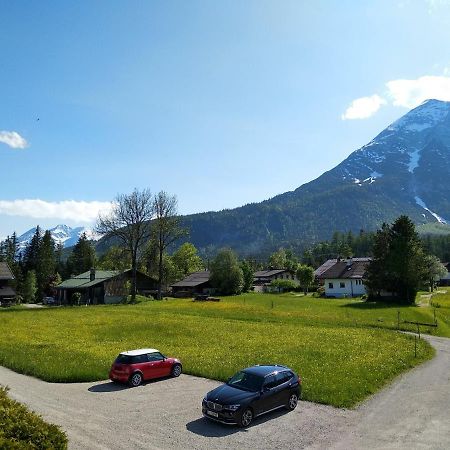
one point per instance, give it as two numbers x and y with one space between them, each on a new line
330 285
342 284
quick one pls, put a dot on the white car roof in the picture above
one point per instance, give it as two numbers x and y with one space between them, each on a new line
141 351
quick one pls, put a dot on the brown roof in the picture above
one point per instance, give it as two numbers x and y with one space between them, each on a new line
350 268
268 273
194 279
5 272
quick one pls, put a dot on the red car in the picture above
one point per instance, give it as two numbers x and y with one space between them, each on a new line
135 366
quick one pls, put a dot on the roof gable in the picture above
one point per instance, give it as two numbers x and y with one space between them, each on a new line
336 269
5 272
194 279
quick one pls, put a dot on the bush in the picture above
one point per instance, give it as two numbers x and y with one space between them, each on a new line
284 285
23 429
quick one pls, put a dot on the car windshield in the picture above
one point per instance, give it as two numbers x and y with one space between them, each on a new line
246 381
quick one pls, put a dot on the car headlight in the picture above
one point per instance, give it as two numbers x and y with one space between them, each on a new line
204 400
232 407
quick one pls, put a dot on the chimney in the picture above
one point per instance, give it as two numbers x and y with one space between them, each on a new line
349 261
92 275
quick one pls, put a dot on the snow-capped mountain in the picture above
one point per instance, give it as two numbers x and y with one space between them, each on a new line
403 170
413 157
61 234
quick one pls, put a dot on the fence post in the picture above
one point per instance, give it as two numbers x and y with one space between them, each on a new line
418 330
434 315
398 320
272 304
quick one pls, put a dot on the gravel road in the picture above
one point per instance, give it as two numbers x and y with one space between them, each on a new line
414 412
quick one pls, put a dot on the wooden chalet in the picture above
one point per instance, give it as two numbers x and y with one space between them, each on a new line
193 284
7 293
103 286
263 278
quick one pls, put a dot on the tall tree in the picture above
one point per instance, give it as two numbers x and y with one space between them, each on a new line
46 267
434 270
248 275
115 258
398 265
226 274
31 253
305 275
166 229
82 257
128 222
186 260
30 287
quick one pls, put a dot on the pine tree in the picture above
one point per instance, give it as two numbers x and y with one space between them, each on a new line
83 256
399 262
46 266
31 253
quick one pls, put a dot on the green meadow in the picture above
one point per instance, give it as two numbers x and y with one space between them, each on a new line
344 350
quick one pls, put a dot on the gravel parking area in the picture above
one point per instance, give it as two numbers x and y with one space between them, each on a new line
412 413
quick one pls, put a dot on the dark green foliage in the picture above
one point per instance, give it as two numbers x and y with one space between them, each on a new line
83 256
23 429
247 273
305 275
226 273
284 285
30 288
115 258
46 266
398 265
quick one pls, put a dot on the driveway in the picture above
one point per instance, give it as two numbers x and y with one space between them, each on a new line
412 413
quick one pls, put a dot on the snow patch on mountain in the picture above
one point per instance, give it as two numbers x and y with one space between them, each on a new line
413 160
422 204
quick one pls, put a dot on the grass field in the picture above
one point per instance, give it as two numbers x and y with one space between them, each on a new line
339 347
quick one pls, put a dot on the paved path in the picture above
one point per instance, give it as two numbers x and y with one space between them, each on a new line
414 412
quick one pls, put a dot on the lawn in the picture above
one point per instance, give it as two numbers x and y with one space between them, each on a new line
339 347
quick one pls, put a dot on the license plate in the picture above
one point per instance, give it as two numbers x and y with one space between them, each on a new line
212 413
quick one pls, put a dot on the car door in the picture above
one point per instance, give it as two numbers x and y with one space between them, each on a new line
266 401
281 389
157 366
140 362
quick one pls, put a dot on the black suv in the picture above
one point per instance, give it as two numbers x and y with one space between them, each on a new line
252 392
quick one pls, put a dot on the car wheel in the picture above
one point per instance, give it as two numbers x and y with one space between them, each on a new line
176 370
246 418
136 379
292 402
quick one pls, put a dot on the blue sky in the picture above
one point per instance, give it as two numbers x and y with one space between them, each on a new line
220 103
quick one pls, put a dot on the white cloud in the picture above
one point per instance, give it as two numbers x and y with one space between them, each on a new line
77 211
363 107
411 93
13 139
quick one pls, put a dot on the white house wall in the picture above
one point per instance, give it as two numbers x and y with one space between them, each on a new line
351 288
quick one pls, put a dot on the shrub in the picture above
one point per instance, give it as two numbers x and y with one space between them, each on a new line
284 285
23 429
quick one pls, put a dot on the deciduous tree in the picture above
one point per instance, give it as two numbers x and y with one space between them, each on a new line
166 229
129 223
226 274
